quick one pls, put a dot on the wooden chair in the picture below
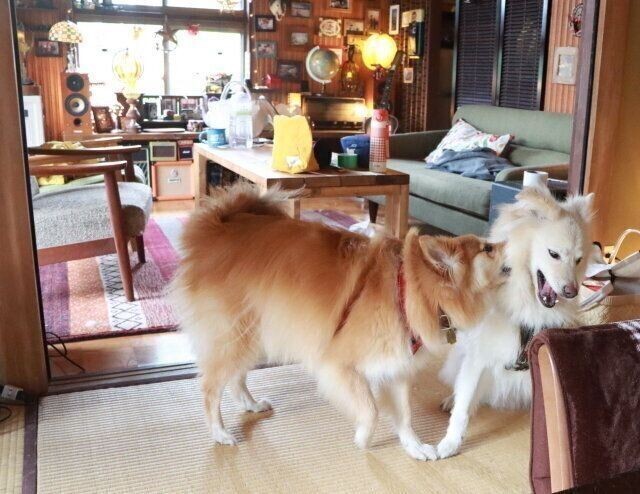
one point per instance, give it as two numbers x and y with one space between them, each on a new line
78 222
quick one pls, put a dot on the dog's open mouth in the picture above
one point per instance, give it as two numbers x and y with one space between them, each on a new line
547 296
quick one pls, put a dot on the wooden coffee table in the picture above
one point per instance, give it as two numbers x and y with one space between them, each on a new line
253 165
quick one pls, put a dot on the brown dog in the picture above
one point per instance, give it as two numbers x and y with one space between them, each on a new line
256 284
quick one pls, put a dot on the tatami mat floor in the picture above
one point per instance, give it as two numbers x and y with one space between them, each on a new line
153 439
12 451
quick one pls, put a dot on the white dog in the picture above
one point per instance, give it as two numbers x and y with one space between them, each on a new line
547 243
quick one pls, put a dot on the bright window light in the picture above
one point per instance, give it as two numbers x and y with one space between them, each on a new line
206 53
195 57
102 40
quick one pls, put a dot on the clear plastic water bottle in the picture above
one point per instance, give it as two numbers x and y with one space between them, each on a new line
240 133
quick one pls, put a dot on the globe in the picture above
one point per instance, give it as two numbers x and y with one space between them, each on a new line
322 65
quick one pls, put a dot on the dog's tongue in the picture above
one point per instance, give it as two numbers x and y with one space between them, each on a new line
548 295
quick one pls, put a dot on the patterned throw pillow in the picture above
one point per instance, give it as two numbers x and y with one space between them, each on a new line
463 136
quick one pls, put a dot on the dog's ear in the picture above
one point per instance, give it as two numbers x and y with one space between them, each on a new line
538 202
581 206
441 254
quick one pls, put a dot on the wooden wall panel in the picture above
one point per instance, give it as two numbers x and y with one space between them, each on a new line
22 354
412 98
45 71
262 67
559 97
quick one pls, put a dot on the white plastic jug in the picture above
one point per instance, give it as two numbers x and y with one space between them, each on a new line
239 108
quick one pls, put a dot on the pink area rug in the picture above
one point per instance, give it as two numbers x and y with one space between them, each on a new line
84 299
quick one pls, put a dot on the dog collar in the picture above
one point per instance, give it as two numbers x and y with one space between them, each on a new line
443 319
522 361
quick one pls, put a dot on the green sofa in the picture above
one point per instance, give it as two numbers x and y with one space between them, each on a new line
460 205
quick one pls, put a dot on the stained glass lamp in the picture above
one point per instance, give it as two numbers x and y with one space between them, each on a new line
67 32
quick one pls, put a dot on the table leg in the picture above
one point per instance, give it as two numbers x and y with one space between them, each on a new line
293 208
200 162
397 211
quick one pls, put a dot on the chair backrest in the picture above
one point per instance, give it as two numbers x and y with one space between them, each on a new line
534 132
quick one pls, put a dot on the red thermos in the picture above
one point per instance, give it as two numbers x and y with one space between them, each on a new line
379 146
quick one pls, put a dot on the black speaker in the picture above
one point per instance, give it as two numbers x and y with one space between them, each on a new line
76 104
74 82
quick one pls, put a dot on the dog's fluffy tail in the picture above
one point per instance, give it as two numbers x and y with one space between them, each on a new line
216 210
243 197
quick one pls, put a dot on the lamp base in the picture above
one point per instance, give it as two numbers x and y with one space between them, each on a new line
130 120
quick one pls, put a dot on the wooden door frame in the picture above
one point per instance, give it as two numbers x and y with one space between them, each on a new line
598 99
23 361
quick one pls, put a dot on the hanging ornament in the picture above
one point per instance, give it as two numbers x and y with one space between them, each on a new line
193 29
166 37
575 20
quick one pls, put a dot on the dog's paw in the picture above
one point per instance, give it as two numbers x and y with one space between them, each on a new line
422 452
259 406
362 438
448 447
446 405
221 436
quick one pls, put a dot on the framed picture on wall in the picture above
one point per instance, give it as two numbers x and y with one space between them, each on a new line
344 5
407 75
394 19
353 26
46 48
330 27
301 9
289 70
266 49
102 119
298 36
265 23
565 60
372 20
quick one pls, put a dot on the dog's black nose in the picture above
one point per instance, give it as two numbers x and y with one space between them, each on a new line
506 270
570 291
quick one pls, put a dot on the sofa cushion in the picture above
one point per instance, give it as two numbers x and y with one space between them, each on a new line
465 137
523 156
464 194
81 214
534 129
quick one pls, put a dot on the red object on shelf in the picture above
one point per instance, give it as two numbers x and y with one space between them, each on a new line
272 81
379 142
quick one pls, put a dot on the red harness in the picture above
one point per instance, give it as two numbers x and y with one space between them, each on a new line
415 340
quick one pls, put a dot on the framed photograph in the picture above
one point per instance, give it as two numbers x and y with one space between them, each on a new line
301 9
102 119
289 70
265 23
298 36
565 59
344 5
353 26
372 20
407 75
46 48
266 49
394 19
330 27
412 16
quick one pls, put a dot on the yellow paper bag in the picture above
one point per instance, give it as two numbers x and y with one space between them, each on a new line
292 145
